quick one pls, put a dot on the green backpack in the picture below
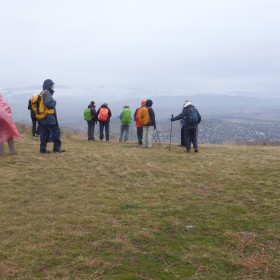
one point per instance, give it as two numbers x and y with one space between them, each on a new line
126 116
87 114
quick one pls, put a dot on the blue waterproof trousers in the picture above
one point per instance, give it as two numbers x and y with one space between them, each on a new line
45 132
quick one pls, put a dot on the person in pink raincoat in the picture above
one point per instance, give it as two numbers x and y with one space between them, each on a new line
8 130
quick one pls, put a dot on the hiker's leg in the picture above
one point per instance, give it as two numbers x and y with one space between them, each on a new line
2 149
107 130
11 146
138 135
93 127
150 136
38 131
194 139
44 137
121 133
89 131
55 132
37 128
141 135
187 139
34 121
126 135
183 136
101 128
145 136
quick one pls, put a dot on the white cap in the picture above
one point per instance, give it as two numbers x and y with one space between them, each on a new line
187 103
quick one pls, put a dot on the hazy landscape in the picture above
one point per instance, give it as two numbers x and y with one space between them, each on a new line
225 118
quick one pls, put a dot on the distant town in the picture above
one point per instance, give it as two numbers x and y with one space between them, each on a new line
215 132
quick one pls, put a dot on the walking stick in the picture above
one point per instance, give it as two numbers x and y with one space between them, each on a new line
158 137
154 138
170 134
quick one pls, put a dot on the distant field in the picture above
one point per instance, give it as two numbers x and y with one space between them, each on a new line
117 211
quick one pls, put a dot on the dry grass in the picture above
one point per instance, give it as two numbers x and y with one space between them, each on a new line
116 211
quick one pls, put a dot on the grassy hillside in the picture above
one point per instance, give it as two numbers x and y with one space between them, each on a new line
116 211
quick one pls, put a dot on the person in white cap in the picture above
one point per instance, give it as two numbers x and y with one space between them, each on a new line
191 118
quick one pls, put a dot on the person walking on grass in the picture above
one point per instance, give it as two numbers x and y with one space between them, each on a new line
191 118
148 113
139 126
90 117
103 115
49 124
125 118
8 130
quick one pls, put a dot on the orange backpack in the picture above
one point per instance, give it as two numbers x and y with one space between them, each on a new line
143 115
103 114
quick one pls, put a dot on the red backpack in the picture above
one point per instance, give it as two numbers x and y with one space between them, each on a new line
103 114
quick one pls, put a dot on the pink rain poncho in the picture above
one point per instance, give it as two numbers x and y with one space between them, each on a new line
7 126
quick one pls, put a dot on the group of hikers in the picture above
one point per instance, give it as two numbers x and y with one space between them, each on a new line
43 112
144 117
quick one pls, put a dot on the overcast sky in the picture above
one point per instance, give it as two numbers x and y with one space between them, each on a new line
173 46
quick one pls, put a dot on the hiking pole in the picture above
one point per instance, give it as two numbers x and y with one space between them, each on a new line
170 134
154 138
158 137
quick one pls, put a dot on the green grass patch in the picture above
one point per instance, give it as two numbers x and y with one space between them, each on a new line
118 211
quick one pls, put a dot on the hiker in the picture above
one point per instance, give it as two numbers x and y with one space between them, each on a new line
191 118
90 117
35 126
8 130
49 124
150 125
103 115
125 118
139 126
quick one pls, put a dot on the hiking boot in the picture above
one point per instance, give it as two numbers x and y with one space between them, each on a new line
196 151
59 151
45 152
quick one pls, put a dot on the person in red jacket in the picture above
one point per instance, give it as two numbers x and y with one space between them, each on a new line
139 126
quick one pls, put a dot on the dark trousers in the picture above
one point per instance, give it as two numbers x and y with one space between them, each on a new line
191 138
91 126
45 132
34 127
140 135
183 136
125 132
103 125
